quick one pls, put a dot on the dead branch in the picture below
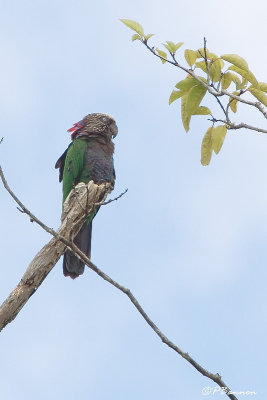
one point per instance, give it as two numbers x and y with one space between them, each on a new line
44 261
48 256
104 203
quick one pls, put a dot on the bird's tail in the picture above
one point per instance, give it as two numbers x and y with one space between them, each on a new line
72 266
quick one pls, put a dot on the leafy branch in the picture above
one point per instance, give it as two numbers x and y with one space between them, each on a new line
208 73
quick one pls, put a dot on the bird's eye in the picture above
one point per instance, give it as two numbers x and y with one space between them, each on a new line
104 119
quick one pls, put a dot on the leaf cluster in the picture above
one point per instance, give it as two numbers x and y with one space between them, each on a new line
225 76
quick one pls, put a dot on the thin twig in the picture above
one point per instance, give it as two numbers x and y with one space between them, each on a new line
214 377
206 61
246 126
104 203
213 120
222 107
23 209
231 125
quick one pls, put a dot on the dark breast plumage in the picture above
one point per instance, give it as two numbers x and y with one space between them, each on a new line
98 162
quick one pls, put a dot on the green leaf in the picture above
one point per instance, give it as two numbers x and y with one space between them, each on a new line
135 26
146 37
244 83
262 86
206 147
175 94
185 117
162 54
233 105
213 57
259 95
172 47
202 65
235 79
194 98
226 80
167 47
178 45
186 84
246 74
190 57
218 136
202 111
236 60
215 70
190 103
136 37
221 62
233 102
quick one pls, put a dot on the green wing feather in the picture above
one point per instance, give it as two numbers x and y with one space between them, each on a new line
74 164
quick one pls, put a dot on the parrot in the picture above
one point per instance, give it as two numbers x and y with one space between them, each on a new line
88 157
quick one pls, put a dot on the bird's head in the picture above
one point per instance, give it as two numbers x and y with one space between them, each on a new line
95 124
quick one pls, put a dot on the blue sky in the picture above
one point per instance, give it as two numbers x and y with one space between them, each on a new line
189 241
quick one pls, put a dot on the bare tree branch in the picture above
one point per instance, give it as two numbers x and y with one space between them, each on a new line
246 126
206 61
104 203
44 261
231 125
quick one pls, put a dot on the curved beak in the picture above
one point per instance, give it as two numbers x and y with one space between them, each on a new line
114 129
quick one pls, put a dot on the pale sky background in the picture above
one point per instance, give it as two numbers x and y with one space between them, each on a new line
189 241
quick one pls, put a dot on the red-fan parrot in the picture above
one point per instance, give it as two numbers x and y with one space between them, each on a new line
88 157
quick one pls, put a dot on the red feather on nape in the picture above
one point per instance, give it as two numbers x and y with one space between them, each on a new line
75 129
